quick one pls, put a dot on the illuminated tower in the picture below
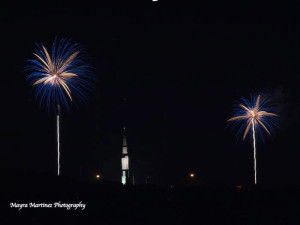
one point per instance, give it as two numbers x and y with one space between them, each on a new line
125 160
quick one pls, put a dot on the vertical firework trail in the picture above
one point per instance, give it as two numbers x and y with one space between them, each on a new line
58 151
254 150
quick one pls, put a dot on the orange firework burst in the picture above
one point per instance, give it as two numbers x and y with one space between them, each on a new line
254 116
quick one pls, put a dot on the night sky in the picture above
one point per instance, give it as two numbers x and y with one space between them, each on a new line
170 74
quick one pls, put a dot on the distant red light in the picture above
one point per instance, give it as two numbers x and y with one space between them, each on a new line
239 187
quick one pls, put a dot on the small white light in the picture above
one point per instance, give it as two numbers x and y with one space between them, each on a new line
154 0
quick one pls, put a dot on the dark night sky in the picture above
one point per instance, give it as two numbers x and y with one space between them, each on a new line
171 75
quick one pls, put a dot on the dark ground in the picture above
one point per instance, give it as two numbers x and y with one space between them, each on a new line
112 203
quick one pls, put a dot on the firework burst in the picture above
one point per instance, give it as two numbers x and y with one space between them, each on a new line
254 116
60 76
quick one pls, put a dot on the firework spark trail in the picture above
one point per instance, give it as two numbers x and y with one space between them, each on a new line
59 77
58 153
256 116
254 151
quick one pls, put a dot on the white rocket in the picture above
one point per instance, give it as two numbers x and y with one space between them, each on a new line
125 160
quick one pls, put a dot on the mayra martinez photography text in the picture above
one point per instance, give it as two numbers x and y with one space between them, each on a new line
57 205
